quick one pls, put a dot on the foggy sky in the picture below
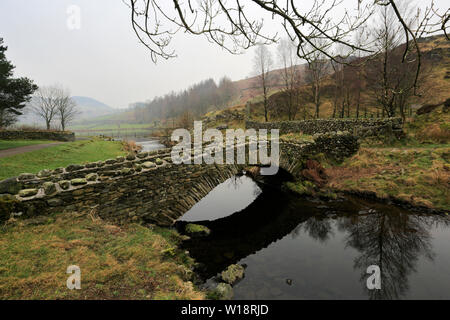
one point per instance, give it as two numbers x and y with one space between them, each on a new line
104 59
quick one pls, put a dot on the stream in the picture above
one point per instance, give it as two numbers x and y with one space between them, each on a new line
293 248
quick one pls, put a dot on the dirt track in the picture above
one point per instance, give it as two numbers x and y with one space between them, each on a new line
14 151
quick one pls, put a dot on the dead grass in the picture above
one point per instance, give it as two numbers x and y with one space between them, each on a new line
420 176
130 146
117 262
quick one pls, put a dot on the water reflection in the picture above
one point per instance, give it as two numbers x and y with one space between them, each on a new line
150 145
393 240
299 249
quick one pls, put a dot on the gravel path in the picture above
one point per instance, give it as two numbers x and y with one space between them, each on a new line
19 150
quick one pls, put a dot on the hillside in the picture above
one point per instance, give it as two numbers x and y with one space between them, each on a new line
435 86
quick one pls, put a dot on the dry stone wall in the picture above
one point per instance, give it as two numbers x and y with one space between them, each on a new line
36 135
359 127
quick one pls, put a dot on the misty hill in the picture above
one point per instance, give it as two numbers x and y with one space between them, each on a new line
91 108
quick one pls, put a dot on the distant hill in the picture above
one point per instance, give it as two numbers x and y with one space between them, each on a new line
91 108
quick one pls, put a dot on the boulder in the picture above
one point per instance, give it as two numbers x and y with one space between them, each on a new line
232 274
224 291
196 230
110 161
120 159
11 186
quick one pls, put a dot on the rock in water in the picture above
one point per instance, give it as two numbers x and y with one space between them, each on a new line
232 274
224 291
196 230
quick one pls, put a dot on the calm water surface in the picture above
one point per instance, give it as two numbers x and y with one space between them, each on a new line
299 249
150 145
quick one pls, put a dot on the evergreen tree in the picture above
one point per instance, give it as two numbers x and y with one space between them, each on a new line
14 92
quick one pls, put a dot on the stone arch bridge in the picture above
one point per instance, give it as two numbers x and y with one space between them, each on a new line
144 187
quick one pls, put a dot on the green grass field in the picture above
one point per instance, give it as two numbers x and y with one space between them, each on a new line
9 144
77 152
116 262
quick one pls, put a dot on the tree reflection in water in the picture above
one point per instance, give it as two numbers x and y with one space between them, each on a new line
392 240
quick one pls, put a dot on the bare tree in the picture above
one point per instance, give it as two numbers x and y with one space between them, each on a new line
392 81
317 70
235 26
262 66
290 75
65 108
45 104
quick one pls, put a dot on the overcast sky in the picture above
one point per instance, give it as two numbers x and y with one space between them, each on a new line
103 59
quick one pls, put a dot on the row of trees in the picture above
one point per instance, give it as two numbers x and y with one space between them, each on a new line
197 99
385 80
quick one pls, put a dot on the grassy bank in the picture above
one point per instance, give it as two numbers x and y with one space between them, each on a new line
9 144
415 169
127 262
420 176
59 156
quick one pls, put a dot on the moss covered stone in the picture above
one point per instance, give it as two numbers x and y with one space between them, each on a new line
131 157
10 186
26 176
110 161
159 161
148 165
224 291
78 181
64 184
74 167
196 230
91 177
28 192
44 173
7 205
232 274
142 155
49 188
120 159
